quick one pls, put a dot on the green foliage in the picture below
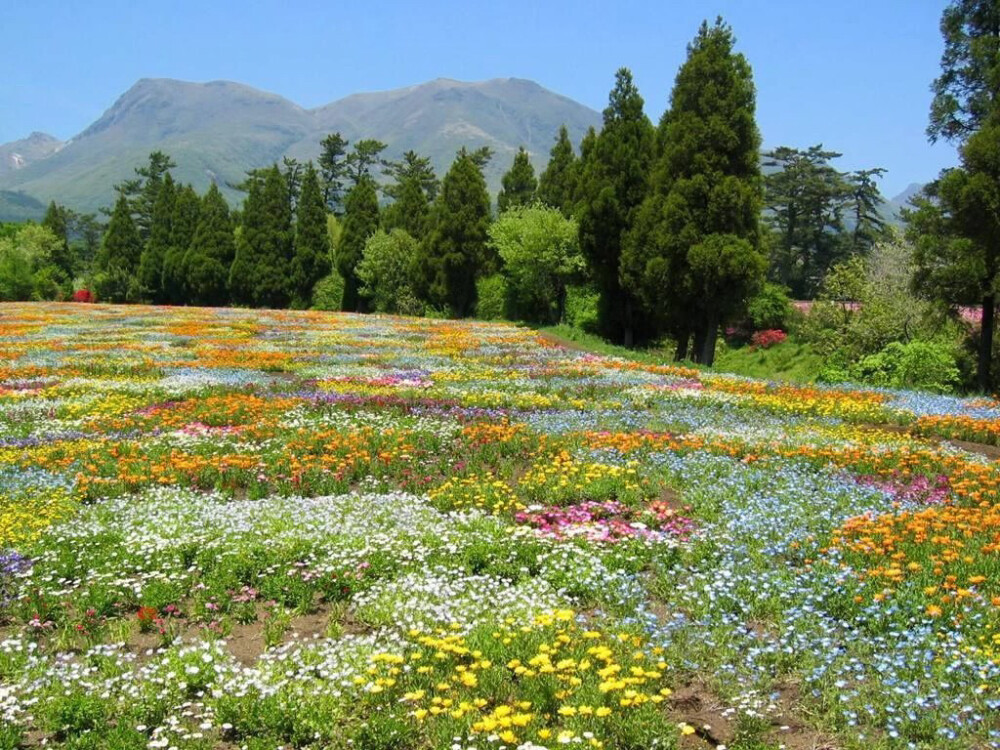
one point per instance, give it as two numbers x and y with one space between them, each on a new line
454 252
361 216
183 224
365 156
770 308
333 169
927 365
260 272
614 178
328 294
541 256
120 251
557 183
519 183
57 220
385 272
16 275
158 244
311 260
793 360
414 188
582 308
697 240
491 297
211 252
965 96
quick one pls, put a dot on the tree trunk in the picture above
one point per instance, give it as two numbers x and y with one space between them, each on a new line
699 343
561 304
711 335
683 339
986 343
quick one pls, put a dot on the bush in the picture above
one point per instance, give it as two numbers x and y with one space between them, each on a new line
328 294
771 308
385 275
581 308
927 365
767 339
491 297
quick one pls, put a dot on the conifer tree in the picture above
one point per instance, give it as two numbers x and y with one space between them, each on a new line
158 244
519 183
454 252
694 255
333 168
614 179
148 188
57 220
121 246
211 253
414 188
556 184
260 274
311 260
184 222
361 216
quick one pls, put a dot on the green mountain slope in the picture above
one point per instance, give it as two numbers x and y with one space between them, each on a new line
217 131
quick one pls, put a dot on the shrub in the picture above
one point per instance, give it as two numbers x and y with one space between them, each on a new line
767 339
83 295
328 294
581 308
491 297
771 308
927 365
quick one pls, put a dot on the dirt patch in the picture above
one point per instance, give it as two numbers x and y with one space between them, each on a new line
560 342
992 452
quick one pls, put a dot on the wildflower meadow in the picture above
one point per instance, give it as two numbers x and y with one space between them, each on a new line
227 528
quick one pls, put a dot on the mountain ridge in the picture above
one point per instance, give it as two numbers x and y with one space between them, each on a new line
217 130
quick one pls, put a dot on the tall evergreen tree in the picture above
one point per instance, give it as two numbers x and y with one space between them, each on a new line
864 200
150 181
260 274
333 167
613 183
57 220
454 251
519 183
311 260
694 255
183 224
367 154
557 183
207 261
121 246
413 190
158 244
361 216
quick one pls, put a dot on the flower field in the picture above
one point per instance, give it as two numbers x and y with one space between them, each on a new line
246 529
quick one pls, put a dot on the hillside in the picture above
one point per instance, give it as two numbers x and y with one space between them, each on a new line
217 131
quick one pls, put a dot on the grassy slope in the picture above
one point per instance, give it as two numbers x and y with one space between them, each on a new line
793 361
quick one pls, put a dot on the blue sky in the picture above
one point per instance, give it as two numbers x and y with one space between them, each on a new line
853 75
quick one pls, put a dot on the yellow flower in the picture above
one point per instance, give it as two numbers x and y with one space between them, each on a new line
602 711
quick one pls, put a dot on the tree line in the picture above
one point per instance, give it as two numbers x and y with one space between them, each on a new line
671 229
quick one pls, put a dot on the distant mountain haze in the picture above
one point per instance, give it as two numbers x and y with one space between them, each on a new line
217 131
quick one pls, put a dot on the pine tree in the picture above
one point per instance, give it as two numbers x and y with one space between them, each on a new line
183 223
414 188
454 252
361 216
207 261
158 244
696 241
260 274
613 183
556 184
519 183
311 261
151 180
333 167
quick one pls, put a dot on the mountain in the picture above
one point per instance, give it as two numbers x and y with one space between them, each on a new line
892 209
19 154
217 131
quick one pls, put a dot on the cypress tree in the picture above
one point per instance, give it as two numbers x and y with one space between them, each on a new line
694 254
360 222
413 191
311 261
454 252
614 180
155 250
121 246
184 222
557 183
260 273
519 184
211 253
